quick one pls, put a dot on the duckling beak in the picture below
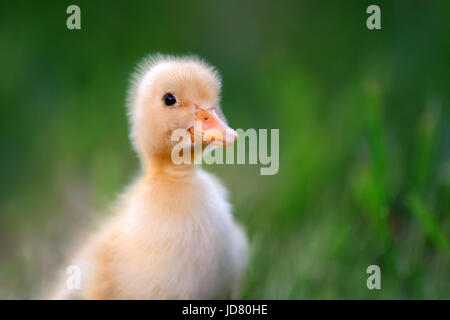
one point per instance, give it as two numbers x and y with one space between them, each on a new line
210 129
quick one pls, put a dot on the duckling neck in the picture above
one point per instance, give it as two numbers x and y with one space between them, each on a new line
163 166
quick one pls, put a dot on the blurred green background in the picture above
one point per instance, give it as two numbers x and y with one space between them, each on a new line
364 135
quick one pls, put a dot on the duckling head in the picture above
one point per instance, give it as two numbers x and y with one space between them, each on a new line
173 93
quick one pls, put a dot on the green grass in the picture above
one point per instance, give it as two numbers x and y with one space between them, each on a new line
364 136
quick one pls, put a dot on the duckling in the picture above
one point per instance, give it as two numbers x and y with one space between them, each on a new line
172 234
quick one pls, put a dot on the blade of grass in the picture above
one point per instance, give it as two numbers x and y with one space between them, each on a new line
426 219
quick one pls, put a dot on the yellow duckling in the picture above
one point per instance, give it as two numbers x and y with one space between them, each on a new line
172 236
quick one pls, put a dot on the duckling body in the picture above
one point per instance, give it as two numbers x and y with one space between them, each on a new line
172 235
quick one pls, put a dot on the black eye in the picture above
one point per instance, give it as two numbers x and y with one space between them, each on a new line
169 99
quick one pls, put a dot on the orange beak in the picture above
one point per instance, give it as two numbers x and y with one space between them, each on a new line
210 129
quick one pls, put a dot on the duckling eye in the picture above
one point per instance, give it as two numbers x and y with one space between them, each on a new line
169 99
